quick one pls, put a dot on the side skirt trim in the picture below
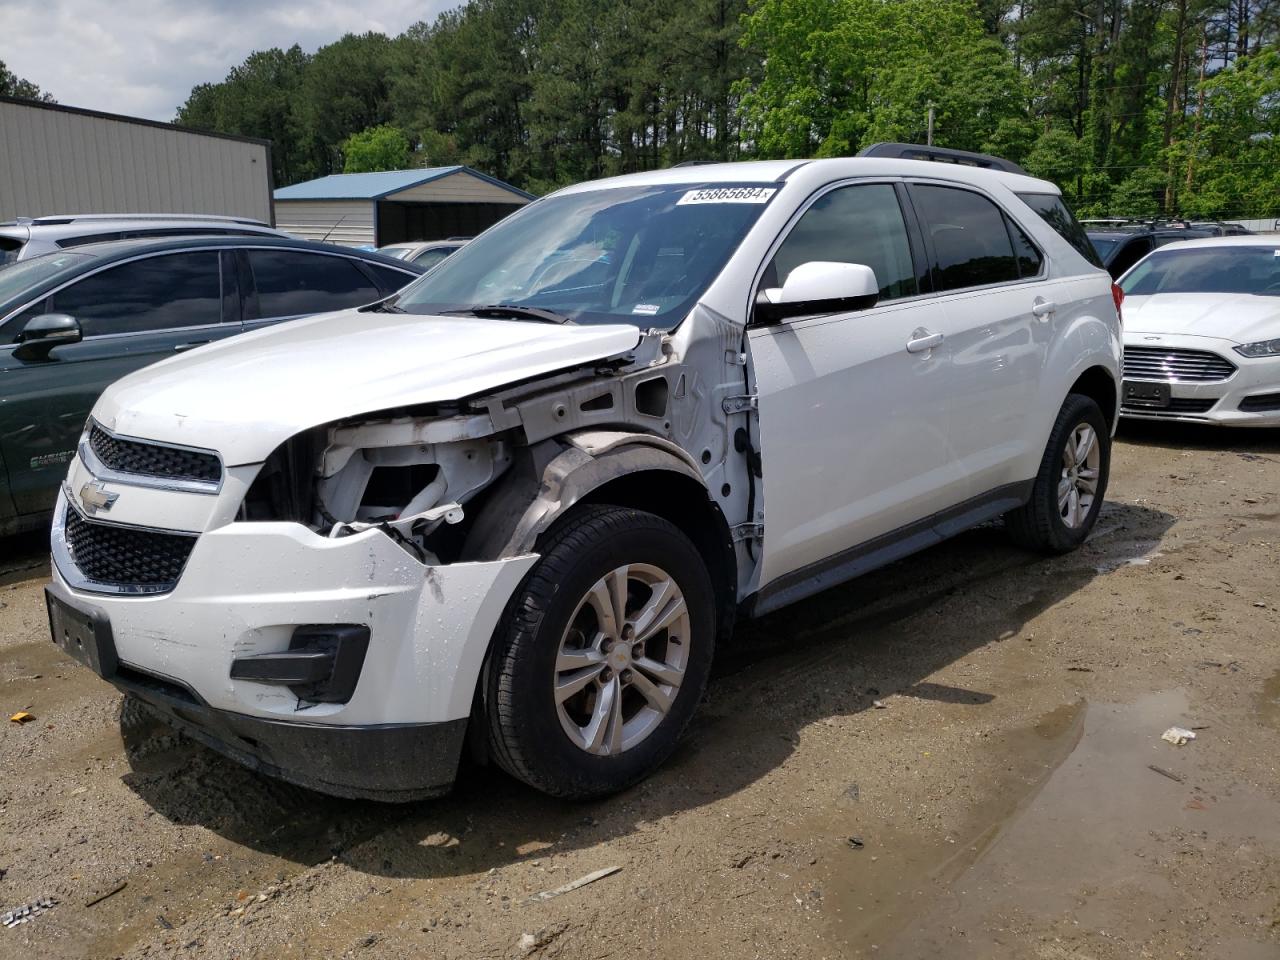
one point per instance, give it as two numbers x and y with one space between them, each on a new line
887 548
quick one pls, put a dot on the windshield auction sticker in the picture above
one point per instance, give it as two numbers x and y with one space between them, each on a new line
728 195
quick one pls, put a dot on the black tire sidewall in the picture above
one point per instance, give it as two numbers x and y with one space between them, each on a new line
526 652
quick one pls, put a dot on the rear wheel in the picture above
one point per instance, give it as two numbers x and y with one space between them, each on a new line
602 656
1072 481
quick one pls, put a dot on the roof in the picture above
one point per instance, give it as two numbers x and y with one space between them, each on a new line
1269 241
138 121
376 186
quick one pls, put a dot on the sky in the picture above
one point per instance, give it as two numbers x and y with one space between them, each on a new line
142 57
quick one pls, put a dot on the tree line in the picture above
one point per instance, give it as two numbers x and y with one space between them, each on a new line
1134 107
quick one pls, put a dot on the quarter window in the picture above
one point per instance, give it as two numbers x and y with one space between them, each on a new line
859 224
971 246
1029 258
157 293
291 284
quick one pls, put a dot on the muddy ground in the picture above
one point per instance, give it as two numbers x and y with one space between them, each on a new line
1010 798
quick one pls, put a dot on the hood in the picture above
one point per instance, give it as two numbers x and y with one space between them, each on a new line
246 395
1241 317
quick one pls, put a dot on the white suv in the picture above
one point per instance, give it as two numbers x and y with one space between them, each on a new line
524 499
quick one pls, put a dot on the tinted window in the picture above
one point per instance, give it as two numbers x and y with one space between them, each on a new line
1029 258
971 245
1104 245
156 293
390 279
1055 213
9 250
1129 254
291 283
861 224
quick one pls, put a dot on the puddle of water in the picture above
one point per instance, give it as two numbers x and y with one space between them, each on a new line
1268 707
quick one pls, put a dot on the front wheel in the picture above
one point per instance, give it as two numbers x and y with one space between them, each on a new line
1072 481
602 656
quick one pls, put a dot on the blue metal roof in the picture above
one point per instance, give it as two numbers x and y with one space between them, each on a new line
376 186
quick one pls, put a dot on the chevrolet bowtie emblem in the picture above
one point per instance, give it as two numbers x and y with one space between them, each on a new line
95 496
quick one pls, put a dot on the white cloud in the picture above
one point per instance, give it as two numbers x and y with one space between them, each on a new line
142 57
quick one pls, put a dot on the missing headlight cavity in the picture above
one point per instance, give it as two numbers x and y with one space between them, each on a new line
651 397
390 489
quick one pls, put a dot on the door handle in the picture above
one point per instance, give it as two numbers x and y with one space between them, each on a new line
1043 308
188 346
922 340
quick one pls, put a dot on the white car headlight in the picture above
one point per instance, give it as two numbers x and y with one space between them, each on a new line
1260 348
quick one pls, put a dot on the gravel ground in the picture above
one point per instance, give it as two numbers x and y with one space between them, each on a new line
958 756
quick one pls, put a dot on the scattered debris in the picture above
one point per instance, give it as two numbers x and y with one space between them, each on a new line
851 791
27 912
574 884
879 704
163 922
532 942
856 843
1176 778
109 891
22 717
1080 669
1260 604
30 676
1177 736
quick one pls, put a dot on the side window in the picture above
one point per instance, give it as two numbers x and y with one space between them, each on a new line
1055 213
291 283
158 293
1029 258
971 246
389 279
429 258
1132 252
858 224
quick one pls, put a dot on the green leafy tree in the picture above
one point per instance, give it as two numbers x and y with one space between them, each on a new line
383 147
11 85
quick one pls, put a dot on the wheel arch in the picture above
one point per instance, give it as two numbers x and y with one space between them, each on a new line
1098 384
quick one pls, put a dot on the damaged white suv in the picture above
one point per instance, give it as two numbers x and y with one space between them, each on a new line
522 501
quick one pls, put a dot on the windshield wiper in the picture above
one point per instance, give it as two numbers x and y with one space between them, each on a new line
495 310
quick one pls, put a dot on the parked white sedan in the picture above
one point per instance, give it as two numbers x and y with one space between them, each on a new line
1202 332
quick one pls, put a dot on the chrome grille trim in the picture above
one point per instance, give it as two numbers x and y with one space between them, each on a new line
1176 365
104 471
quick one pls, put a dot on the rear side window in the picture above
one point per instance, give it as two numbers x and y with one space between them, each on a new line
390 280
429 258
971 245
157 293
1030 259
1131 253
9 250
859 224
291 283
1055 213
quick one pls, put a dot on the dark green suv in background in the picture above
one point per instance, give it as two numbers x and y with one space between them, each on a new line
74 321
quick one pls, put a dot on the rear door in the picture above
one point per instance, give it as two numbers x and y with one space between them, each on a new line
1000 312
131 314
282 284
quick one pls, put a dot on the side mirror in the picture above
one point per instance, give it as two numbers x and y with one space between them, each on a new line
43 333
819 286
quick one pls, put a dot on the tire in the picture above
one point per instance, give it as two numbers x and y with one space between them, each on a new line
550 727
1043 523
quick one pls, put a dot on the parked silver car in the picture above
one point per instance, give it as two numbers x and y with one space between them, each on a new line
29 237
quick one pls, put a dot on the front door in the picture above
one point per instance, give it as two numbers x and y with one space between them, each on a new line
853 406
131 314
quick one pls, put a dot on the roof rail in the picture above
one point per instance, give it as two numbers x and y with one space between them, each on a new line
77 217
916 151
693 163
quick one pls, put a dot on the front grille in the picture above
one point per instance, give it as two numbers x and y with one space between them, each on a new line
1195 366
153 459
1261 403
126 557
1177 406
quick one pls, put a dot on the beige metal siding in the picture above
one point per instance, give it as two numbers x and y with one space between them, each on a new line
56 161
460 187
348 222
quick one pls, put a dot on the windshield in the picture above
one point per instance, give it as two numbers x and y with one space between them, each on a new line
1103 245
17 278
1254 270
639 255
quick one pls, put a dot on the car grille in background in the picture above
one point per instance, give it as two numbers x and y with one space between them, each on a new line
1177 406
1261 403
1154 363
126 557
153 459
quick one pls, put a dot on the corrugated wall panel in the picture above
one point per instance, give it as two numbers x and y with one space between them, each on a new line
459 187
57 161
348 222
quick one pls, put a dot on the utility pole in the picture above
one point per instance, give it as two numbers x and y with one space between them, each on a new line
929 137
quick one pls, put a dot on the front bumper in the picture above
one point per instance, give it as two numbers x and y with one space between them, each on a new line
246 588
1218 402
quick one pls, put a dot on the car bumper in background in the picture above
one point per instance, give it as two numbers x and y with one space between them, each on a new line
1249 397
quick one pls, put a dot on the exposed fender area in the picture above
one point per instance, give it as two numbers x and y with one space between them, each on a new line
560 473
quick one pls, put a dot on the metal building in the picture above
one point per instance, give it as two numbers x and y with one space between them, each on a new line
358 209
62 160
